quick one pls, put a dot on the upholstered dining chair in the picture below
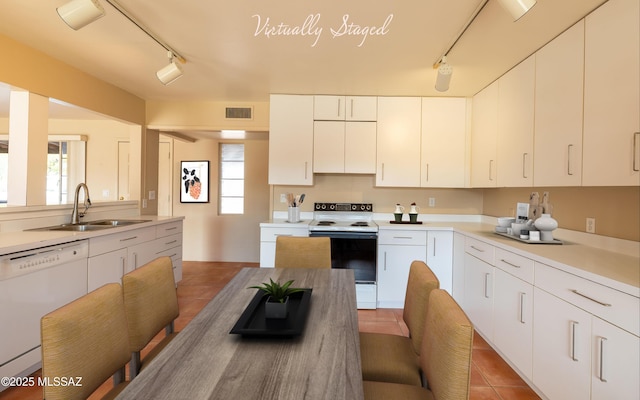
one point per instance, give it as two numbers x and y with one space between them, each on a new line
303 252
151 304
394 358
86 338
445 356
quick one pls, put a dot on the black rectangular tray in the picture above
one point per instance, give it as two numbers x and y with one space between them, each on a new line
406 222
252 322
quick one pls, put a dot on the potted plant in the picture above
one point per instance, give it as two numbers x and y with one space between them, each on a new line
278 300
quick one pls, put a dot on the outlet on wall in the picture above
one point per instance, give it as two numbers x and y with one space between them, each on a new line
591 225
432 201
283 197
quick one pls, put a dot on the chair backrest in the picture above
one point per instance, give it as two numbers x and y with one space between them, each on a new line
150 300
303 252
446 349
421 282
86 338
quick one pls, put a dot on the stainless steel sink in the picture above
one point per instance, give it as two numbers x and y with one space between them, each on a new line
74 228
117 222
92 225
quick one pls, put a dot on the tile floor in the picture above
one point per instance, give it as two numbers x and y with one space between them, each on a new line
491 378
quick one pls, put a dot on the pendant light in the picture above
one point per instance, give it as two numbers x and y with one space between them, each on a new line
444 75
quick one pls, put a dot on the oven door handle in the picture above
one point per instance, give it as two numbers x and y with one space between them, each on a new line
345 235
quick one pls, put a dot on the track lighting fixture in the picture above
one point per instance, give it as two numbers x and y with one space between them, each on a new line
79 13
171 72
444 75
517 8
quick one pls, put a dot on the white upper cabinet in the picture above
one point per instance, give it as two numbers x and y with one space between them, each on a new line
345 108
484 137
291 140
558 110
612 95
398 150
344 147
443 158
515 125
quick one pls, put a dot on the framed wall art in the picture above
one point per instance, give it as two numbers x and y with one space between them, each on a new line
195 182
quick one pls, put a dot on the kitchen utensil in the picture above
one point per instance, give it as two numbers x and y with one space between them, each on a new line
301 198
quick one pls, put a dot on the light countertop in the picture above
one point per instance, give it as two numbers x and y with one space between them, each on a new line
12 242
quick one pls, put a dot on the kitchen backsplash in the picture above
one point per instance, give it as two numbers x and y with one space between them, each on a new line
616 209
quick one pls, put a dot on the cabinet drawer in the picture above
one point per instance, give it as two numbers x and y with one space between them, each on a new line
402 237
168 242
168 229
618 308
106 243
514 264
270 234
479 249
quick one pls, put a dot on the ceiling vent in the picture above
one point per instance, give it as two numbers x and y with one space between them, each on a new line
238 113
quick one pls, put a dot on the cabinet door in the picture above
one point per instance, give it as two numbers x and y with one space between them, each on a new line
478 297
360 148
484 137
561 348
612 95
458 268
291 140
444 127
398 150
394 263
328 146
329 108
106 268
440 257
361 108
513 320
558 116
616 366
515 125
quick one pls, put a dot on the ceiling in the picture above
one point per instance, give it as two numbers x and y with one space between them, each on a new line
231 58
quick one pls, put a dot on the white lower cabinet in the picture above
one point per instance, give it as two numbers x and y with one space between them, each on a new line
397 249
615 362
268 238
458 268
440 257
106 268
478 296
513 320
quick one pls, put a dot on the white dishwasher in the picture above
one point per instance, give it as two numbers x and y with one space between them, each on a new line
33 283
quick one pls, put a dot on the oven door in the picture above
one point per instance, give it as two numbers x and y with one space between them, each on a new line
353 250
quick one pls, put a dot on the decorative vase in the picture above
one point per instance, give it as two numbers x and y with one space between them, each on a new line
413 218
275 310
545 224
397 216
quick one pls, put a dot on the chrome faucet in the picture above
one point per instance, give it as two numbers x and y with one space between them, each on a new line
75 215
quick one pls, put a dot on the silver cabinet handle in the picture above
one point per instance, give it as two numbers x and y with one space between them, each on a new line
524 162
569 148
522 298
129 238
486 285
382 172
427 177
135 260
477 249
601 376
590 298
490 170
339 102
636 156
509 263
351 108
403 237
306 164
385 260
122 264
434 246
574 355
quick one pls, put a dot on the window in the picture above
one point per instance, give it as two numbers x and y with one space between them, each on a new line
231 178
57 172
4 170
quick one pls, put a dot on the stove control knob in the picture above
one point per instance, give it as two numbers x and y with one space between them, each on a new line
362 207
368 207
332 206
324 206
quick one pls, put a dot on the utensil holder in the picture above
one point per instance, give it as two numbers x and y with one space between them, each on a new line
294 214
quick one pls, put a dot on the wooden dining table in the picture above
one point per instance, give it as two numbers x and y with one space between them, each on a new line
205 361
